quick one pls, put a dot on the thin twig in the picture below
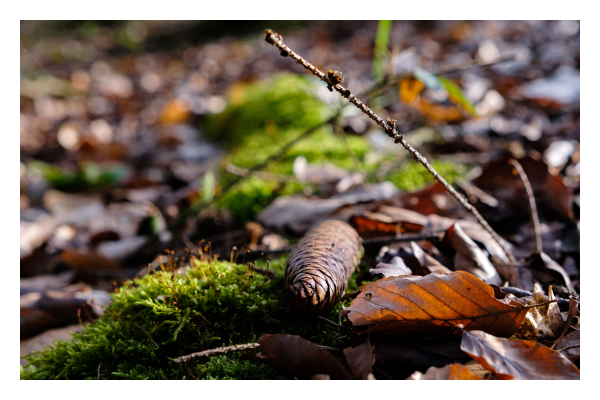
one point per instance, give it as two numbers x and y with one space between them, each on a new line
99 365
265 176
535 221
333 79
143 330
344 328
218 350
434 236
188 370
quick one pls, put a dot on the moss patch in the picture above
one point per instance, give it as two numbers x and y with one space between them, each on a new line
412 175
208 305
260 119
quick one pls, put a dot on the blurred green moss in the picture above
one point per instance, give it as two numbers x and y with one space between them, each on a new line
260 119
207 305
411 175
87 176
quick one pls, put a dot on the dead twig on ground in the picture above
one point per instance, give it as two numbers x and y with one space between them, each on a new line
333 79
218 350
535 221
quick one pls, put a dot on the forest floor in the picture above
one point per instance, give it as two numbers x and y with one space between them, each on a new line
194 153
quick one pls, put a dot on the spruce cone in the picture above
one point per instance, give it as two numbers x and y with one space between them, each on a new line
317 271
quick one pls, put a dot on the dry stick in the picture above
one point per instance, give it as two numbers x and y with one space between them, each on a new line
333 80
218 350
535 221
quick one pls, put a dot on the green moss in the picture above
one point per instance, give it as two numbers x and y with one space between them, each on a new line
260 119
209 305
88 176
412 175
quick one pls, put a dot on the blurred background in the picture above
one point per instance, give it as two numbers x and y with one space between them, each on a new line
139 139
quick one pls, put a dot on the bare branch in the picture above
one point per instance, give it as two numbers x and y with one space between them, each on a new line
535 221
218 350
333 79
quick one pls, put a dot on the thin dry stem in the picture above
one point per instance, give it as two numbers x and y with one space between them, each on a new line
218 350
333 79
535 221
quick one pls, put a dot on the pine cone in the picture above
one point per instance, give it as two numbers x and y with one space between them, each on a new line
317 271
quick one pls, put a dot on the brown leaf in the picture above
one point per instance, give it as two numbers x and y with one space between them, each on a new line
469 256
401 355
517 359
360 359
569 346
395 267
300 358
387 220
541 323
449 372
433 303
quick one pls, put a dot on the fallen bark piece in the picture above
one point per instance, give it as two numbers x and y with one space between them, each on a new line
517 359
317 271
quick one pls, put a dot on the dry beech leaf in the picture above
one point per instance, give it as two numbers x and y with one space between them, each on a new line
469 256
517 359
449 372
569 346
300 358
433 303
541 323
395 267
360 359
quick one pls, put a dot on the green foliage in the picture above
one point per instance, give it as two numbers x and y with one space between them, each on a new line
412 175
208 305
457 96
384 28
260 119
88 176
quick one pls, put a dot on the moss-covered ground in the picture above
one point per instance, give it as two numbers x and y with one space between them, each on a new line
264 116
164 315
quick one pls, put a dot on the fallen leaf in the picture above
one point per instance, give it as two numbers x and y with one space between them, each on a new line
360 359
449 372
299 213
517 359
541 323
299 358
570 346
395 267
469 256
433 303
400 355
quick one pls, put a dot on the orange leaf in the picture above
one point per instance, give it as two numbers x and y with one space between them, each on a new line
175 112
517 359
410 89
433 304
449 372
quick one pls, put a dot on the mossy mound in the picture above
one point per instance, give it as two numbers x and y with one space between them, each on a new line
164 315
412 175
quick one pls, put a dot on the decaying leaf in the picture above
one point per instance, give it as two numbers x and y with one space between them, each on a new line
433 303
449 372
401 355
317 271
387 220
413 256
541 323
517 359
469 256
299 358
360 359
569 346
395 267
